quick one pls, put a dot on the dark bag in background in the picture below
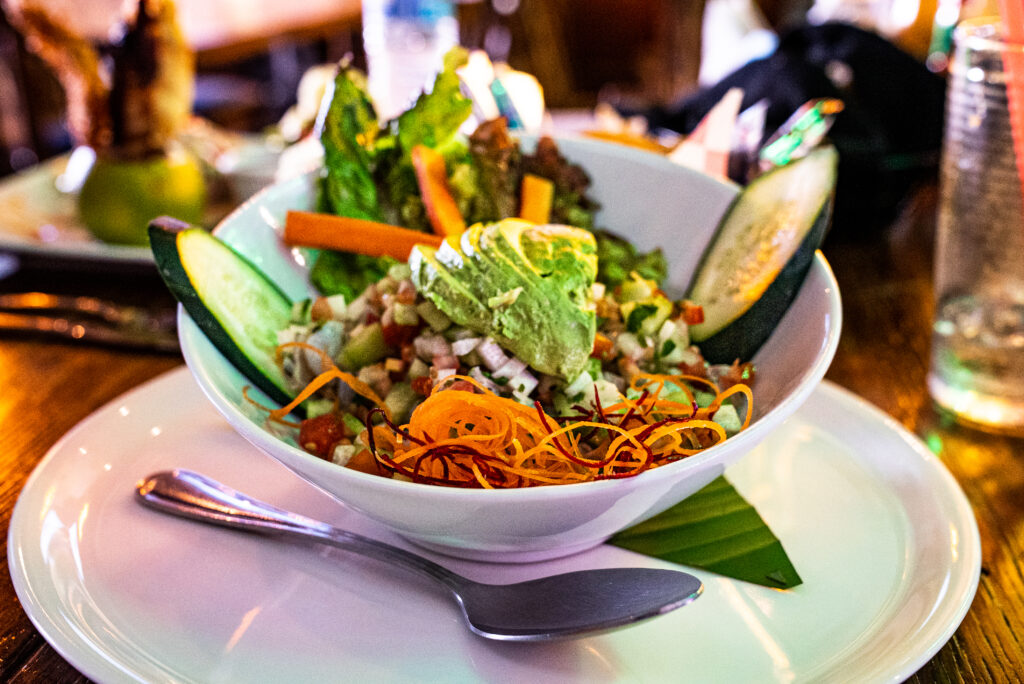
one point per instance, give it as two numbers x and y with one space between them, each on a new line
888 135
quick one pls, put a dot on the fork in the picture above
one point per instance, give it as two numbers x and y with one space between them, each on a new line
88 319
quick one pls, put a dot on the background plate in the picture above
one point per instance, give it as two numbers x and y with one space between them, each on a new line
881 533
38 220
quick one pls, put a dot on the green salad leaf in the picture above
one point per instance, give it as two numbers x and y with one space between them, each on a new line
347 274
436 116
617 258
368 172
718 530
348 187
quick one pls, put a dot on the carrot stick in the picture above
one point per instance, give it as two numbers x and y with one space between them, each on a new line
324 231
537 196
444 214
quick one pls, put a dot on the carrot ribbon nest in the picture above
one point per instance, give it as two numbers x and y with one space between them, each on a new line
472 437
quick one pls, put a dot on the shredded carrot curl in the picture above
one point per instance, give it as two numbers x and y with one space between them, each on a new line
357 385
475 438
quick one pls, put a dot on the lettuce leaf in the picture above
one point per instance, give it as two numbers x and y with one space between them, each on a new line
436 117
368 171
347 274
349 131
617 257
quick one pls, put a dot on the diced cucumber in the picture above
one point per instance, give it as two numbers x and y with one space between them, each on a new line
400 272
635 288
366 346
405 314
353 424
435 318
728 418
400 401
318 407
645 316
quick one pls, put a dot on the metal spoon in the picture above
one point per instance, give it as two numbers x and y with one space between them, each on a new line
567 605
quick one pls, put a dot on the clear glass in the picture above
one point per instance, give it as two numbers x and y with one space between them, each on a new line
405 42
977 365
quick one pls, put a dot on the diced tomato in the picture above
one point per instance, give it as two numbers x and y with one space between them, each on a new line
460 385
398 335
320 435
422 385
692 314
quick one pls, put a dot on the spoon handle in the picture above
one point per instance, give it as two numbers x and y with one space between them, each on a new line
190 495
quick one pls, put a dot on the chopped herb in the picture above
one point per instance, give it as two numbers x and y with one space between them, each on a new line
637 316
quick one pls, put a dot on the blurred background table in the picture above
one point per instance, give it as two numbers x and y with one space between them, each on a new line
885 281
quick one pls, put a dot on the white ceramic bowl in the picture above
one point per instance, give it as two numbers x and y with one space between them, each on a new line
644 197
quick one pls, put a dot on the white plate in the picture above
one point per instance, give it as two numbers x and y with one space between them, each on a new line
37 219
885 541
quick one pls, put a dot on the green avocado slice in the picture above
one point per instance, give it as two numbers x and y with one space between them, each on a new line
438 283
526 286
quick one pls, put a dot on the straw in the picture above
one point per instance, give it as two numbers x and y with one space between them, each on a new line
1013 67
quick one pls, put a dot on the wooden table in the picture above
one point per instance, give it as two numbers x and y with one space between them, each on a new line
885 280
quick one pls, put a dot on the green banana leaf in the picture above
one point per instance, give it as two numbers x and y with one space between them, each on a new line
715 529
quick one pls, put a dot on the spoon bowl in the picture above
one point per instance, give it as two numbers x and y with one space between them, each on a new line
559 606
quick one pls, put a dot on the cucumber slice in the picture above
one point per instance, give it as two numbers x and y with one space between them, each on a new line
238 308
757 261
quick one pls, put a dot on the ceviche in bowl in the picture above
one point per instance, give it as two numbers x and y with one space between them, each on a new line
510 382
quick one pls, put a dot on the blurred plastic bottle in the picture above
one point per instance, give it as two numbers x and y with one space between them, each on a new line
405 42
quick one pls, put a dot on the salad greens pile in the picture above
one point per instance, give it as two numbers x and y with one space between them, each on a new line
369 174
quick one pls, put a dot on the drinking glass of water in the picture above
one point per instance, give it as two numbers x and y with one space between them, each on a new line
977 364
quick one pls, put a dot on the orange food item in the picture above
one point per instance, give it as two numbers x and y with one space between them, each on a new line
324 231
443 213
537 195
478 439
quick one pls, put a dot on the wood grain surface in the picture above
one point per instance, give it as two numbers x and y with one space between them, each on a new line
885 281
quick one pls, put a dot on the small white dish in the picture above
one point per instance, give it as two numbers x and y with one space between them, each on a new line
882 535
646 198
